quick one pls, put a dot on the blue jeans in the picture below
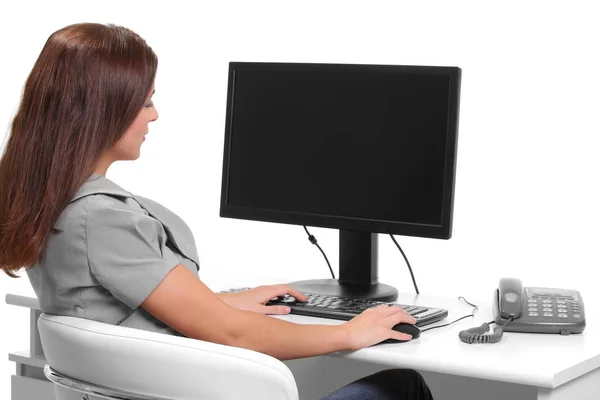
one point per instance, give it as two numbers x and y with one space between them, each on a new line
390 384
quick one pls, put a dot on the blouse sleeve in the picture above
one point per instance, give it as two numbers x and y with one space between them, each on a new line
127 250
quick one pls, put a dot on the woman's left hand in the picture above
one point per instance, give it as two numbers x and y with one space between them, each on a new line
255 299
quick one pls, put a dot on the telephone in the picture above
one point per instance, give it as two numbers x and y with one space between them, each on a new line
537 310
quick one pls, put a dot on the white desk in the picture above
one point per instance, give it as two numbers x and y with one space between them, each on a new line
521 366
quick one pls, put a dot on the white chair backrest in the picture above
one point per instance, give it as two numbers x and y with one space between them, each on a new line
154 364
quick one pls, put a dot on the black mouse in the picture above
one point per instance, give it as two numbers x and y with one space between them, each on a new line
404 328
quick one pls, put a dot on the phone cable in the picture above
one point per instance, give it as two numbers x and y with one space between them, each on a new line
475 308
478 334
481 334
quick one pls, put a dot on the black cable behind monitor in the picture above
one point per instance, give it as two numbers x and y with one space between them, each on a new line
407 263
313 240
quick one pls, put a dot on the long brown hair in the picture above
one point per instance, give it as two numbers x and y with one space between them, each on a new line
86 88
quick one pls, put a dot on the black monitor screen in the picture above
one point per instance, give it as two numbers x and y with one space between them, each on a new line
358 147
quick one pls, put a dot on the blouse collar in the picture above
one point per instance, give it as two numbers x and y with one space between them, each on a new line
99 184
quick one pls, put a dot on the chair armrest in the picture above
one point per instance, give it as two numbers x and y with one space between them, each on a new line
156 364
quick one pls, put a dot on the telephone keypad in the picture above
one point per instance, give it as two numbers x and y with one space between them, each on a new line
548 306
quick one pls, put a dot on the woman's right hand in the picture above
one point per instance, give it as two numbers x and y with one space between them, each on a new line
374 325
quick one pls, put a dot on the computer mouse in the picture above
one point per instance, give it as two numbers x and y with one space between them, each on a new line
404 328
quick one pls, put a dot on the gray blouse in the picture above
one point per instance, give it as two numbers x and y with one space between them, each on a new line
108 251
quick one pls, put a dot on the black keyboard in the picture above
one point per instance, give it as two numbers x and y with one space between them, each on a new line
343 308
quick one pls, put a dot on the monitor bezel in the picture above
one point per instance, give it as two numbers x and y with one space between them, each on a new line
441 231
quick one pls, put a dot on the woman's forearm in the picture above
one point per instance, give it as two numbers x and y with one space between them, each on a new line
184 303
283 339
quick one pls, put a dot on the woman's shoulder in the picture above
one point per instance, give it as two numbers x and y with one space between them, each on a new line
99 206
98 196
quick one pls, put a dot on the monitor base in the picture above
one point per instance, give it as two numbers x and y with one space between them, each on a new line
332 287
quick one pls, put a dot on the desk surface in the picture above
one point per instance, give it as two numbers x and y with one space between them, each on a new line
532 359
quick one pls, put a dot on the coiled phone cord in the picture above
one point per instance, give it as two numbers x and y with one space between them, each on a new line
481 335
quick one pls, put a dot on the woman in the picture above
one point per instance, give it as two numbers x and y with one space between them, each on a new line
93 250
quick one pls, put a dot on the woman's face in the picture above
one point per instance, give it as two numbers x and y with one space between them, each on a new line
128 147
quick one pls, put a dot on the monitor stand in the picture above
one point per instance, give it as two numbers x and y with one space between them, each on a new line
358 271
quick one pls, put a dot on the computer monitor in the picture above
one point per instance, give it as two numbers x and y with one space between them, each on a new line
365 149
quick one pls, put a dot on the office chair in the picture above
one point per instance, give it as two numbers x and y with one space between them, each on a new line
92 360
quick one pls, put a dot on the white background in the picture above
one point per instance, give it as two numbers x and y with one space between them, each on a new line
527 198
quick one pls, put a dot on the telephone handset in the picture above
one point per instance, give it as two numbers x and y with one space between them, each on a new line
538 310
509 295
